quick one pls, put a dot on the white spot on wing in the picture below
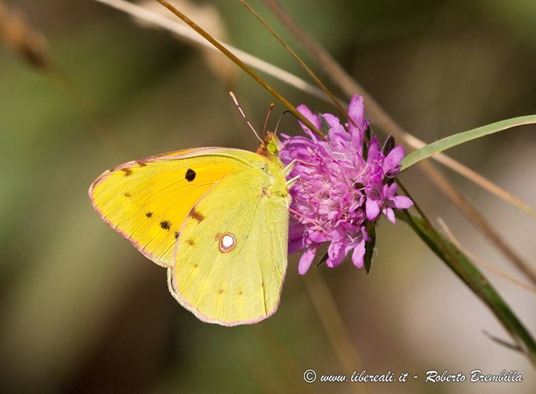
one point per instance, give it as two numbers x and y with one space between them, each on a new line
226 242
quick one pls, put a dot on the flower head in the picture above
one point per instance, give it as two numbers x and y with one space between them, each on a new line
345 182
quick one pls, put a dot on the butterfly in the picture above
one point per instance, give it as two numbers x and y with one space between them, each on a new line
216 218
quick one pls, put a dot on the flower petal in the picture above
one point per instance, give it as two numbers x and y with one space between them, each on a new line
312 117
391 164
359 254
372 208
390 214
305 260
402 202
356 111
336 254
296 238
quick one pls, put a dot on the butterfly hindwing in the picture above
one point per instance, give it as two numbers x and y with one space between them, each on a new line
231 254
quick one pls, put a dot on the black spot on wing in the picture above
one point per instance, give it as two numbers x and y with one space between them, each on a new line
166 225
149 214
127 194
177 234
127 171
190 175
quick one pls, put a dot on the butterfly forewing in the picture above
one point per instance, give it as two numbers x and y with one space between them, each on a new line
148 200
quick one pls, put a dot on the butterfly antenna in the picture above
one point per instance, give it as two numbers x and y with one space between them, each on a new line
265 126
244 115
280 119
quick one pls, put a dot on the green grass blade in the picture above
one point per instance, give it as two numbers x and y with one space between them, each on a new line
460 138
475 280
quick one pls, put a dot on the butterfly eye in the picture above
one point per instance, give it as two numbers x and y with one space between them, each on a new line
226 242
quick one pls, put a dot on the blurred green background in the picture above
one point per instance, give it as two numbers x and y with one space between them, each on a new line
82 311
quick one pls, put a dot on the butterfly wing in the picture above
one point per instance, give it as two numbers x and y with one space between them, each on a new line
231 255
148 200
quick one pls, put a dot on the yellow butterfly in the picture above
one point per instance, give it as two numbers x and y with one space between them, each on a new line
216 218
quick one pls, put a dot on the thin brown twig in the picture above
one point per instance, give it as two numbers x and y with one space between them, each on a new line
334 326
472 175
282 358
480 262
306 68
386 123
300 84
241 64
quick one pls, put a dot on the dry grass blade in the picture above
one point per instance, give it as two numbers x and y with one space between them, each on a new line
334 326
224 49
480 262
386 123
475 177
236 60
188 34
300 84
283 360
31 45
17 34
309 72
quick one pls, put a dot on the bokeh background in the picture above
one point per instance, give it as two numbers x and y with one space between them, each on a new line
82 311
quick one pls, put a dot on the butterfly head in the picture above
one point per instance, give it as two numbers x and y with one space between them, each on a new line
269 146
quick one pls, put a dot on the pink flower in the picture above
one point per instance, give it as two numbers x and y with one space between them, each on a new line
344 183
